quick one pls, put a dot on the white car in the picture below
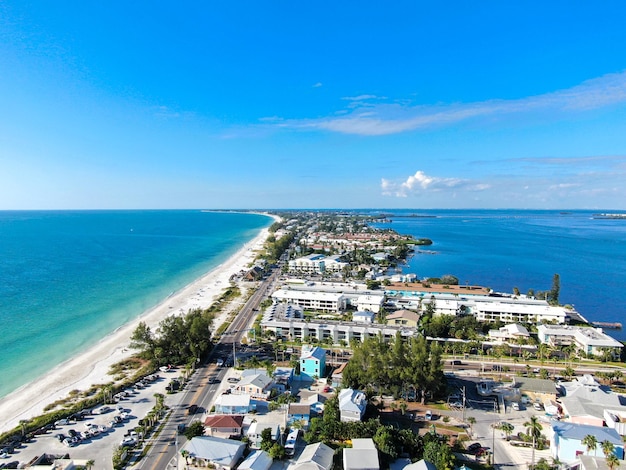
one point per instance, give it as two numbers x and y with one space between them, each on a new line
4 455
128 442
515 406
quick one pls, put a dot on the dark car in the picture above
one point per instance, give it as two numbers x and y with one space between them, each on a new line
475 447
192 409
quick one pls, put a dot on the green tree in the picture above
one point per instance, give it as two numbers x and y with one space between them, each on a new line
385 442
277 452
194 429
590 442
533 429
612 461
553 296
507 428
607 448
439 453
266 439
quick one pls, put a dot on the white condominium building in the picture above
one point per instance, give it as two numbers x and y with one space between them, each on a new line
586 339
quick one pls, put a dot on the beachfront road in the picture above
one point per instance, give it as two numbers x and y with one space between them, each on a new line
201 390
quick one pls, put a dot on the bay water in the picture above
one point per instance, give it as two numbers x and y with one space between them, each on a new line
69 278
503 249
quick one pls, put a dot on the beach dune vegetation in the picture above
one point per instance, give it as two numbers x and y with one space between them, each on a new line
177 339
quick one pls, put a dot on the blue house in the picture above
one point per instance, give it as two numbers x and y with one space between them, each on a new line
566 440
300 412
312 362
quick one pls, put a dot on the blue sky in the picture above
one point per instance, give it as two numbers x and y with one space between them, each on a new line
320 104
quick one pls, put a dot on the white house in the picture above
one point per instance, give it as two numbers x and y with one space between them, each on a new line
352 405
510 332
363 455
363 317
257 460
222 453
315 457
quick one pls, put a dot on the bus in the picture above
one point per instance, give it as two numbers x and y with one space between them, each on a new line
290 444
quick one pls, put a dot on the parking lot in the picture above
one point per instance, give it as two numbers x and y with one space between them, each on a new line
96 435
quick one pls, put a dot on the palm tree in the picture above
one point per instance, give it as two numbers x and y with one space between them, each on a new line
533 429
612 461
89 464
607 448
471 421
507 428
590 442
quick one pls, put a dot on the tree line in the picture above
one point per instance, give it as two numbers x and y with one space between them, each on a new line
178 339
390 442
379 367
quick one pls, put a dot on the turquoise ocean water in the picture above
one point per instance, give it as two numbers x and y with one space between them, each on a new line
503 249
69 278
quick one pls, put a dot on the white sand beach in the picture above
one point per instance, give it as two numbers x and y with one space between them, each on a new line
91 366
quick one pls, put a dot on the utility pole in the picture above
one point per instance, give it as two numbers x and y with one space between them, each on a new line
463 392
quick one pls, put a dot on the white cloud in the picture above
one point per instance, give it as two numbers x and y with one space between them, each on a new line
359 98
317 85
420 182
392 118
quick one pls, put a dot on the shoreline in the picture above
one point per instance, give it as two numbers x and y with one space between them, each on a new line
90 367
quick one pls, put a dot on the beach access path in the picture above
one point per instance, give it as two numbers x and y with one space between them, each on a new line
91 367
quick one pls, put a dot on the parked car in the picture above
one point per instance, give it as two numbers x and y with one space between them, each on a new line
233 380
538 406
473 448
62 422
515 406
102 410
428 415
128 442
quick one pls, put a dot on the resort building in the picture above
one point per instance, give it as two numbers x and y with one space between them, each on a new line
329 302
334 331
494 307
316 264
588 340
370 302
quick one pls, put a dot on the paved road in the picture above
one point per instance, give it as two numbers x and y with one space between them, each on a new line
163 452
